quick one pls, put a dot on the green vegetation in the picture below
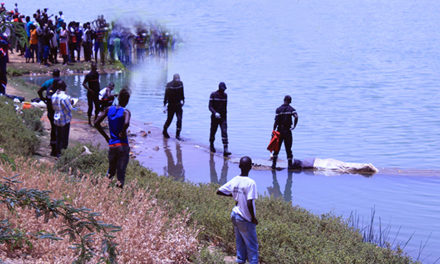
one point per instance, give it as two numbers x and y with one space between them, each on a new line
16 136
287 234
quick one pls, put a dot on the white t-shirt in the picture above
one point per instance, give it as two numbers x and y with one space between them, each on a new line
242 189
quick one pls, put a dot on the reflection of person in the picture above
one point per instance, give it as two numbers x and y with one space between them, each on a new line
118 122
217 105
175 170
244 191
62 116
213 172
91 83
283 124
175 99
275 191
49 88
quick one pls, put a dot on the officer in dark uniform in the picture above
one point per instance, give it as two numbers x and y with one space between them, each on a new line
217 105
175 99
283 124
91 83
50 88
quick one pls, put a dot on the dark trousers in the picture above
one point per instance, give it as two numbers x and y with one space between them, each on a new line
286 137
222 122
179 114
34 50
53 138
117 162
87 51
62 137
93 100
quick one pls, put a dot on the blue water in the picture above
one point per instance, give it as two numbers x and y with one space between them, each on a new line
363 75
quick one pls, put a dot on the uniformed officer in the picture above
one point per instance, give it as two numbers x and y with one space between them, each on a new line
49 87
217 105
175 99
283 124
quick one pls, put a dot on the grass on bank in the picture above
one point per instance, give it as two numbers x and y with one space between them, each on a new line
286 234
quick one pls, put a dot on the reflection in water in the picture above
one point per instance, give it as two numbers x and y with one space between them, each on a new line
172 169
275 190
224 173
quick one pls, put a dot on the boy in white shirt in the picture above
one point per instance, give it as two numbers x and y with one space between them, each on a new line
244 191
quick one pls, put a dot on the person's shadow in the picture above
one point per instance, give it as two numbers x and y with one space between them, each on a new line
174 170
224 173
275 190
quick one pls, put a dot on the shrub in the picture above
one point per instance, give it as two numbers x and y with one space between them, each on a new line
286 234
15 136
147 234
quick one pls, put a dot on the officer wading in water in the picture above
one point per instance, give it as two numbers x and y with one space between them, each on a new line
175 99
283 124
217 106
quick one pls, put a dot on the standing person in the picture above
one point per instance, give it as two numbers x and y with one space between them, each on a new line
50 88
119 150
175 99
91 83
3 64
283 124
62 107
33 41
87 42
217 105
243 216
64 38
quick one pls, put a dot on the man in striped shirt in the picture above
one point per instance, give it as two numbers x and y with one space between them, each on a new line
62 106
283 124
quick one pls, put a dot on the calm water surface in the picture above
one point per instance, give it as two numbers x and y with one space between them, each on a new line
363 75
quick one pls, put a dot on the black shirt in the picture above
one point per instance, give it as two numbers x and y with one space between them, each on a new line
218 102
174 93
92 79
283 117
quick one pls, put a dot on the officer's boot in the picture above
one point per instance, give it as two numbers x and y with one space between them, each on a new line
211 147
165 133
274 163
226 151
290 165
178 135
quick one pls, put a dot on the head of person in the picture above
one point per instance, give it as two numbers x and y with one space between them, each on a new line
176 77
245 165
111 86
61 13
61 85
56 73
124 96
287 99
28 19
32 27
222 87
93 66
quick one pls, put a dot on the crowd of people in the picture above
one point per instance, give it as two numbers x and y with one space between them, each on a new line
48 36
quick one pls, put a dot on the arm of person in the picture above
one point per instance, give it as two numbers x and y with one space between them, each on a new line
225 189
40 94
223 194
127 116
98 126
295 115
165 98
86 86
211 104
183 96
250 205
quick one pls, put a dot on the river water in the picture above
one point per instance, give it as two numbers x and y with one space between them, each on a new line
363 75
